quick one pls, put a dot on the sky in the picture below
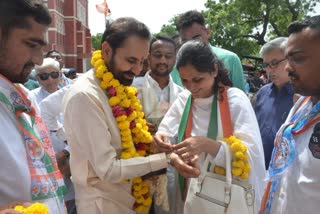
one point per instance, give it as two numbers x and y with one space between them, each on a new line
154 13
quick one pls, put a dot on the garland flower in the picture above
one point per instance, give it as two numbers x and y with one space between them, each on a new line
135 137
240 165
36 208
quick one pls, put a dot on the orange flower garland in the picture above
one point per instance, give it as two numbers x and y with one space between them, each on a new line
240 165
135 138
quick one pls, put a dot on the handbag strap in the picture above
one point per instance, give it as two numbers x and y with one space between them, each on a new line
225 114
228 164
227 132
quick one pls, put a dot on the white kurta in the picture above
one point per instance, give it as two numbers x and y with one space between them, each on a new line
156 102
98 172
299 187
245 127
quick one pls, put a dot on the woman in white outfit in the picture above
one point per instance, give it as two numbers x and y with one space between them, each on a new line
205 79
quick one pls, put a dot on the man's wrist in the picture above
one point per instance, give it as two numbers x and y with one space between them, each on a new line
169 159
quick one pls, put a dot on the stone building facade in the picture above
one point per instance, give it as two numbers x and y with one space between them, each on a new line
69 32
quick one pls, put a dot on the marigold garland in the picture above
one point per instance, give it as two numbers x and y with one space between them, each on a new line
36 208
240 165
135 138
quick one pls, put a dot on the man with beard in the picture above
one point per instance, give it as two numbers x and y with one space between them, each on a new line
294 176
274 100
103 120
157 92
29 170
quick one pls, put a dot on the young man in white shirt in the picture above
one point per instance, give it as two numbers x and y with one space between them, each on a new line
28 166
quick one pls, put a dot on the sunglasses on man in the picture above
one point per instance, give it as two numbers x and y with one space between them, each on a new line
53 75
56 57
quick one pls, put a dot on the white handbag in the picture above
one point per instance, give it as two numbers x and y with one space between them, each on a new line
217 194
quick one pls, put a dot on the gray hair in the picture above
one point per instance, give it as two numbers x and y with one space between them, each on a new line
279 42
47 62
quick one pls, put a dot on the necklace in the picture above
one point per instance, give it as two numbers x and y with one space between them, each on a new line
135 137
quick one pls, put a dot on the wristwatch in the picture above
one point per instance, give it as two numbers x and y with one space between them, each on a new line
66 153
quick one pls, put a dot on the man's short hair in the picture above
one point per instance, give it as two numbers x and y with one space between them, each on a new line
120 29
162 38
188 18
297 26
279 42
13 14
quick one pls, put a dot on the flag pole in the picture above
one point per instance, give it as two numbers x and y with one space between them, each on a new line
105 16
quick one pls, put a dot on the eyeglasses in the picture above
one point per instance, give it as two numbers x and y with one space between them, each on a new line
272 64
45 76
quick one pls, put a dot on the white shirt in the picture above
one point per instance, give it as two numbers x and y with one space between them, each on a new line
39 94
15 179
155 101
51 112
299 187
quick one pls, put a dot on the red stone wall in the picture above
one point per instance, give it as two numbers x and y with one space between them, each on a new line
75 42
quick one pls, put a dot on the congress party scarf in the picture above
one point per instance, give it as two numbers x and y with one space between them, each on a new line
185 126
284 152
46 180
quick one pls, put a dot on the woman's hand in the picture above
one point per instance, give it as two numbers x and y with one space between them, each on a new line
161 143
194 146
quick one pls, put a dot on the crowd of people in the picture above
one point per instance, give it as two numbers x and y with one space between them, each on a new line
131 134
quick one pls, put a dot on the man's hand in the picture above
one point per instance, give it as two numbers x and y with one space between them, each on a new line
161 143
9 211
9 208
188 170
152 128
63 164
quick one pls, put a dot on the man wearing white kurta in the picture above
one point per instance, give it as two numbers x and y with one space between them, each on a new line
29 171
244 124
157 91
102 179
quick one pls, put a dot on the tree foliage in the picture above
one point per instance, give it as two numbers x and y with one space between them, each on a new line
170 29
96 41
243 26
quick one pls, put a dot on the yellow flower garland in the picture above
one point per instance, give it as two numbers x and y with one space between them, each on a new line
240 165
135 138
36 208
